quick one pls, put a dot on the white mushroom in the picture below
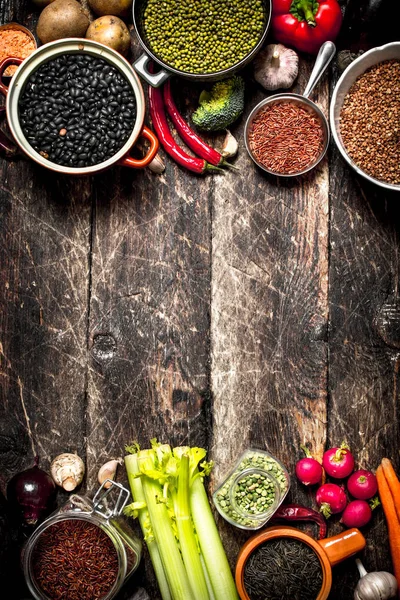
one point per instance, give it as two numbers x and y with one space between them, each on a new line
67 470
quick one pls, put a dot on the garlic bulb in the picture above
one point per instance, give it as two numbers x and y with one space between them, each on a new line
378 585
67 470
276 67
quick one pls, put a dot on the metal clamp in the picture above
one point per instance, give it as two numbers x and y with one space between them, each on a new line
101 507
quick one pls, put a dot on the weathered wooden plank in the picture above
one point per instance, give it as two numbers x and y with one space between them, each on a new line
269 313
44 265
364 333
149 316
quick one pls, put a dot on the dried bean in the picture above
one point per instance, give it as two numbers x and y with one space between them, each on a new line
76 95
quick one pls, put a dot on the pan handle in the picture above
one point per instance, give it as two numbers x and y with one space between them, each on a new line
9 60
134 163
153 79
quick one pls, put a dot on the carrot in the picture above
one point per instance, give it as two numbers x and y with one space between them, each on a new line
393 483
392 521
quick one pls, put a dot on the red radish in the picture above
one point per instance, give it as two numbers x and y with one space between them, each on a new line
338 462
308 470
331 499
356 514
362 484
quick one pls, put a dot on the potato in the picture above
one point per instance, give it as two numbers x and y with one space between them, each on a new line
118 8
62 19
110 31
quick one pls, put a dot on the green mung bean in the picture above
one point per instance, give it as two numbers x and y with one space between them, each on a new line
203 36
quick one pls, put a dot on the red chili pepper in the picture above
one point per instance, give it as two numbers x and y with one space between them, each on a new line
296 512
305 24
160 124
190 137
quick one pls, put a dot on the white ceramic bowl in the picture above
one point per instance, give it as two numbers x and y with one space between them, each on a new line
353 71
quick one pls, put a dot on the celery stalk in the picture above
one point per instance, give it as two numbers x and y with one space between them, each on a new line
135 484
211 547
188 543
174 568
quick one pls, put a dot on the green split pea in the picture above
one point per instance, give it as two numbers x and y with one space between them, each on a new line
203 36
252 490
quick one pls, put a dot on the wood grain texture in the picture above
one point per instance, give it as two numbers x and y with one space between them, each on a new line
269 313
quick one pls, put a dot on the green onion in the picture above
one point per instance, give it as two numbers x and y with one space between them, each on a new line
177 523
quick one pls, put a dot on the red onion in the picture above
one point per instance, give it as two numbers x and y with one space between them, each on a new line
33 493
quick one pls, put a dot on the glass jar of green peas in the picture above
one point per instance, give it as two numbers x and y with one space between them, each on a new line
253 490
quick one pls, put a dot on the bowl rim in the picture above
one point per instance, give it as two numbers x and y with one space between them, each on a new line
271 533
300 100
333 107
48 52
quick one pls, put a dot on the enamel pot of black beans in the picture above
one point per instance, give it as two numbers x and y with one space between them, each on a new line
77 107
199 41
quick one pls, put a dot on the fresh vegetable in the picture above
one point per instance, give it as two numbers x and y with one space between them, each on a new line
389 501
157 165
33 493
190 137
362 484
118 8
110 31
178 525
393 483
296 512
229 146
67 470
161 127
276 67
220 107
308 470
356 514
61 19
331 499
305 24
338 462
108 471
378 585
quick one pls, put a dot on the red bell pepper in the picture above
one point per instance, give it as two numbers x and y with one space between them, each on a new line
305 24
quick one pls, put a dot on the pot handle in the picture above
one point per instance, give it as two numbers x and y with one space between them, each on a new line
134 163
343 545
153 79
9 60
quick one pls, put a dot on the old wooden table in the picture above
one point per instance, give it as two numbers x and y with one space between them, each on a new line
225 311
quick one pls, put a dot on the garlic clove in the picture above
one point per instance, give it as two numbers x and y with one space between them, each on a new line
229 146
108 471
276 67
157 165
67 470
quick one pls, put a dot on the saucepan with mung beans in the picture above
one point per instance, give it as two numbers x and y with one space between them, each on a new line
77 107
209 40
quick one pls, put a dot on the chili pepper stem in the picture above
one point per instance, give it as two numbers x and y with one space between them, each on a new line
225 163
209 167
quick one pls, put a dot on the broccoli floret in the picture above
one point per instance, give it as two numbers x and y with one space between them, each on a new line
220 107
